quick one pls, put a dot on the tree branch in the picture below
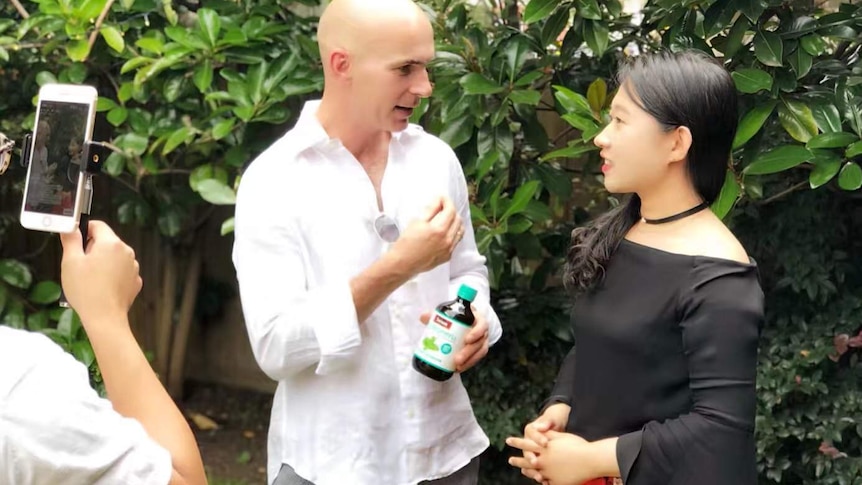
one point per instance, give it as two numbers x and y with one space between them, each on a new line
95 33
20 8
783 193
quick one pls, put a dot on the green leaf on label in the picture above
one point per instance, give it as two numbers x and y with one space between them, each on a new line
430 343
778 159
750 81
796 117
850 177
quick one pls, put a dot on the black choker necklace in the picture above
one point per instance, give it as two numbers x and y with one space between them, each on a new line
676 217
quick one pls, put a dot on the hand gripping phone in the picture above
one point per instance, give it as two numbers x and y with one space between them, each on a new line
56 185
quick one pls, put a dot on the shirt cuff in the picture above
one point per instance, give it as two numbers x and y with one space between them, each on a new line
337 330
628 449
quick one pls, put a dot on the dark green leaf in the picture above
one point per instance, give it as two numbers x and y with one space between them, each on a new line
826 117
752 122
768 48
117 116
529 78
525 96
802 25
800 61
749 80
132 142
854 150
842 32
752 9
515 51
115 164
521 198
203 77
555 26
850 177
778 160
596 34
78 50
597 95
796 117
83 352
177 138
223 128
475 83
571 101
831 140
727 197
227 226
539 9
45 77
813 44
589 9
210 25
69 324
45 292
717 16
571 151
457 131
170 222
216 192
174 88
38 321
15 273
104 104
735 36
14 316
497 138
113 37
826 166
206 172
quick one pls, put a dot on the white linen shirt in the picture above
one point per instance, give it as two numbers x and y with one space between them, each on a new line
349 408
55 429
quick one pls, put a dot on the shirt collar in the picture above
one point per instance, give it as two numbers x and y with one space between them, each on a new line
312 135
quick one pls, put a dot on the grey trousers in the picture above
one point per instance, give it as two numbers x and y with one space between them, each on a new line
469 475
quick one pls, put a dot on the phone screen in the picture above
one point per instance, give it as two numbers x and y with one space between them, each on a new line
56 157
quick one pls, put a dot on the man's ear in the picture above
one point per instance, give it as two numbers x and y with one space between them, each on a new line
339 63
680 144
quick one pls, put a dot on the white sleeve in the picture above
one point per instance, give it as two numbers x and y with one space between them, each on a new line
55 429
290 327
467 265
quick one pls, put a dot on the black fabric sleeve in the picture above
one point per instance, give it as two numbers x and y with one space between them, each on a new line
721 317
563 385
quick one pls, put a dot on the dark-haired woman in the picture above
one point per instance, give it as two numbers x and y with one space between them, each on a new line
661 389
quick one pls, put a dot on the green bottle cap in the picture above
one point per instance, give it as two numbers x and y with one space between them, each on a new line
467 293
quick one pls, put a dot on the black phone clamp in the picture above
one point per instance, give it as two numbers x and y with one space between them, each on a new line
93 156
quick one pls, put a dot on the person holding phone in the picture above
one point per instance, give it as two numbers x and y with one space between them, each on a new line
54 428
660 387
348 229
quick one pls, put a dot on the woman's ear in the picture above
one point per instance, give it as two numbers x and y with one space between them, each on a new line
680 144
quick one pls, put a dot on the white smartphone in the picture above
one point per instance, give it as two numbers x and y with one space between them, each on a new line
55 181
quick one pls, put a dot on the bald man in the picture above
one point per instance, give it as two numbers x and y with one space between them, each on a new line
348 230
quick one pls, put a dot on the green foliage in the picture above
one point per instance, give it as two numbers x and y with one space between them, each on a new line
798 74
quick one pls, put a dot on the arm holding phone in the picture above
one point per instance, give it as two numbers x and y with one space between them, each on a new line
101 284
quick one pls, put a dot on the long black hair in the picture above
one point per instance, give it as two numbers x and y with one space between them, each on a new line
686 88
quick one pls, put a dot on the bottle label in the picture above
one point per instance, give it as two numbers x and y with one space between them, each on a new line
443 338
